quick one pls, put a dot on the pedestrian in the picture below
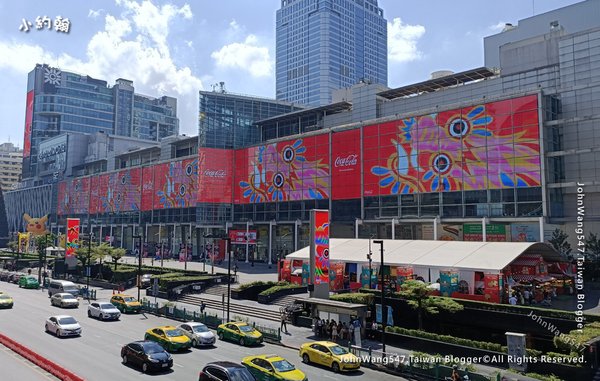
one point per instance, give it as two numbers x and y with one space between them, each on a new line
283 322
351 332
344 332
235 268
334 331
526 295
455 375
319 330
512 300
202 307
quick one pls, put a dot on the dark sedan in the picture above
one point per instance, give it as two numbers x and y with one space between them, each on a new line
225 371
147 355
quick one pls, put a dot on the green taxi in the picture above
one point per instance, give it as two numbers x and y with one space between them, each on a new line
240 333
29 282
272 368
172 339
126 303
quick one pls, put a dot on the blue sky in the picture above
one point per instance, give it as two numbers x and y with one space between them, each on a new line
177 48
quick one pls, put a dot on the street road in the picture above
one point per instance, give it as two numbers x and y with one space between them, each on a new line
96 354
14 367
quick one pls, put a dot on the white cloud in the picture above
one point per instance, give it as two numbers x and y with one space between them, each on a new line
497 27
248 56
133 46
95 13
402 41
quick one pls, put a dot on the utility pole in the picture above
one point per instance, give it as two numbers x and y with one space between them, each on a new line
383 308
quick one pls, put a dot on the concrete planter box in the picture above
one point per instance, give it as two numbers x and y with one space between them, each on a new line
266 299
250 293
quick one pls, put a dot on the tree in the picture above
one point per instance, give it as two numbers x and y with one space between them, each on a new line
41 243
560 243
592 246
13 246
418 295
116 253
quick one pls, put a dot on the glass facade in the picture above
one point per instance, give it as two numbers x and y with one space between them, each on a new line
324 45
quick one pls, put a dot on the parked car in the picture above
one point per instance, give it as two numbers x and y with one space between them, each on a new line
126 303
148 355
63 325
225 371
29 282
239 332
171 338
272 368
103 311
64 300
329 354
198 333
6 301
146 280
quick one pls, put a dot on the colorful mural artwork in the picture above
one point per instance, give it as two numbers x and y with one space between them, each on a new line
284 171
35 226
72 237
321 240
120 192
28 123
24 242
176 184
448 282
494 145
73 196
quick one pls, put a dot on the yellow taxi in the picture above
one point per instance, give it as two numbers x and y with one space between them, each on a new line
6 301
239 332
272 368
171 338
329 354
126 303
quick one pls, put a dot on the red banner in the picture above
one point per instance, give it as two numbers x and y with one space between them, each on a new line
491 288
72 237
95 204
147 188
336 276
345 167
239 237
28 124
176 184
62 199
321 241
215 175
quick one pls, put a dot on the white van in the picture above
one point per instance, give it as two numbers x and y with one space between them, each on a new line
56 286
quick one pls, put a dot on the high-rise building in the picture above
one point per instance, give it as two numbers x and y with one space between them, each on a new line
60 101
11 159
324 45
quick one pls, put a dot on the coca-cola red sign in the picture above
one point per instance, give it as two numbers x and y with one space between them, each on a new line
346 161
216 173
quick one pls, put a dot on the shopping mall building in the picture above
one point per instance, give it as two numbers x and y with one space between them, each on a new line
504 152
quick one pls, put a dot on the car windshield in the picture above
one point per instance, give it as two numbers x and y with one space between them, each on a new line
68 296
200 328
246 328
4 296
173 332
67 320
282 366
107 306
129 299
240 374
151 348
338 350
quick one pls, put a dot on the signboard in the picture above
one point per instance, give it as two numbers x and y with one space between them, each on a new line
450 232
320 245
492 288
52 156
379 315
28 124
525 232
72 237
336 276
345 168
239 237
215 173
448 282
493 232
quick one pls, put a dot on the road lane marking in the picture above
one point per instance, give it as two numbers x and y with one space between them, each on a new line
180 366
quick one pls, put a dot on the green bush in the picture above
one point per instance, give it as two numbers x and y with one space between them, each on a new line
355 298
543 377
279 287
244 286
123 275
166 283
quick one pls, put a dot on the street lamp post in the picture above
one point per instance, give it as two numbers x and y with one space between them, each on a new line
89 269
228 248
369 257
139 272
383 308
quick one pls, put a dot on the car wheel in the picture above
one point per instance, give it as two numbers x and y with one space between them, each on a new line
145 367
221 336
305 358
194 343
58 333
124 359
335 367
89 313
46 328
101 317
62 305
242 341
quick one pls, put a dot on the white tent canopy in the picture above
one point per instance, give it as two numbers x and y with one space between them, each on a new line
475 256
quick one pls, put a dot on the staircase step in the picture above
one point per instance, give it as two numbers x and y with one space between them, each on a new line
234 308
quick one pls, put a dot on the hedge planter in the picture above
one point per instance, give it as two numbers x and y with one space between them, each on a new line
266 299
250 293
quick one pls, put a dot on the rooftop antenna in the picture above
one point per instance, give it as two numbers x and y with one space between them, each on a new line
533 7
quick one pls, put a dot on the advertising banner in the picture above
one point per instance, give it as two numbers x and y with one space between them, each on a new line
215 175
493 232
492 288
336 276
320 245
23 242
525 232
305 273
238 237
28 124
345 169
379 315
176 184
403 273
95 203
450 232
72 237
364 277
286 270
147 188
448 282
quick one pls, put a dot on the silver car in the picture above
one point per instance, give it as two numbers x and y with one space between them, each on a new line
63 325
64 299
198 333
103 311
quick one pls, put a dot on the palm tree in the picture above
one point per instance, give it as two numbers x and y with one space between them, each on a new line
116 253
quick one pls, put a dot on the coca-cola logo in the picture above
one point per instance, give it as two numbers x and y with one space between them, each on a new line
347 161
217 173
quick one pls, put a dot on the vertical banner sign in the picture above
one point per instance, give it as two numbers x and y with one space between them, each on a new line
28 124
72 237
305 274
448 282
364 277
319 252
492 288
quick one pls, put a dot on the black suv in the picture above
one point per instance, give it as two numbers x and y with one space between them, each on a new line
225 371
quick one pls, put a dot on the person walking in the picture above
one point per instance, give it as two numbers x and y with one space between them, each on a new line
283 322
334 332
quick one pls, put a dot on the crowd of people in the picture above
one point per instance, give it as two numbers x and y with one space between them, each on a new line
334 331
531 295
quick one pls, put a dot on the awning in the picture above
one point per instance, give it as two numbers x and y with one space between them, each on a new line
526 260
531 278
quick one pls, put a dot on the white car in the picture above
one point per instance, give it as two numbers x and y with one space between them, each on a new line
198 333
63 325
103 311
64 299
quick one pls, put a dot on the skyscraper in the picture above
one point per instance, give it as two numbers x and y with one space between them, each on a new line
323 45
60 101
